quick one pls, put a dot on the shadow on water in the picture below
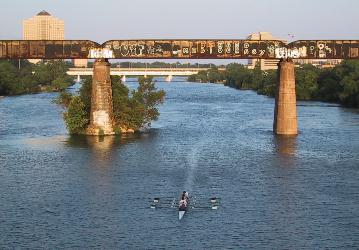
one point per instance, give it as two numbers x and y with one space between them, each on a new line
103 148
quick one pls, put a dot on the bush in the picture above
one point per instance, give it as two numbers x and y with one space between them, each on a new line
76 116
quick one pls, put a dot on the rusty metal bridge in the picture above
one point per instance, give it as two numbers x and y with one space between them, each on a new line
285 112
179 49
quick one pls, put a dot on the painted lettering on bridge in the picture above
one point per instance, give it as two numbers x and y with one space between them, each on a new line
179 49
193 49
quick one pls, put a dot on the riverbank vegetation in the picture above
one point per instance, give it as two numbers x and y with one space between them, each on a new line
133 110
339 84
22 77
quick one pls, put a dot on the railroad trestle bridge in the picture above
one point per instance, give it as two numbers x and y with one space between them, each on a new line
285 113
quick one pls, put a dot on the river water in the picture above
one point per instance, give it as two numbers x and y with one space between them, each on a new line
92 193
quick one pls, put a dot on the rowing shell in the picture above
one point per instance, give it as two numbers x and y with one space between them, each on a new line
180 214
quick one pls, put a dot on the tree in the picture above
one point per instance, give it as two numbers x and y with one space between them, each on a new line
76 117
348 72
64 99
144 102
329 86
306 82
131 111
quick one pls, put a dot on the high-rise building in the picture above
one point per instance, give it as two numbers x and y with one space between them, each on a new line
43 26
265 64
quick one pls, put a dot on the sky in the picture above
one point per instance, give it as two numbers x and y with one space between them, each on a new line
103 20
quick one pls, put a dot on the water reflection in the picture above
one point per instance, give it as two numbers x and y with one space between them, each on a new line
285 146
102 147
100 142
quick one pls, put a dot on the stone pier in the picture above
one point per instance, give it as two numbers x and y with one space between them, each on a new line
285 113
101 119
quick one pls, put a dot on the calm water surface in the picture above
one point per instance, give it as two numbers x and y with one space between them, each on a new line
92 193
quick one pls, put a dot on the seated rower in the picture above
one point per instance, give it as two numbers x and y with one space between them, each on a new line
184 195
182 202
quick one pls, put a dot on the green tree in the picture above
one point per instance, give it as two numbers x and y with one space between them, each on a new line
329 87
133 110
144 102
348 72
85 93
76 117
64 99
306 82
121 103
268 84
53 75
237 76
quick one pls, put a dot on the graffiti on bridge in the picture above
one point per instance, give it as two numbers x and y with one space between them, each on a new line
179 49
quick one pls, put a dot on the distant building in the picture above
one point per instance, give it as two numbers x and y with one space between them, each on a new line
44 26
265 64
319 63
80 63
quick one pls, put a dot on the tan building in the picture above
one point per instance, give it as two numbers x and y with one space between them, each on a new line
265 64
43 26
80 63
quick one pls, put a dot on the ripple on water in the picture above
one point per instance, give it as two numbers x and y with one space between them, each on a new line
90 192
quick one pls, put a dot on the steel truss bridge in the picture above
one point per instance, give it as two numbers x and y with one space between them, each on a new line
179 49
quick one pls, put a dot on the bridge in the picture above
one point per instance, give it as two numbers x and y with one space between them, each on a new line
179 49
285 111
140 71
169 73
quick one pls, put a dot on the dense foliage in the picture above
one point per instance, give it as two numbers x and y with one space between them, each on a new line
339 84
22 77
132 110
75 117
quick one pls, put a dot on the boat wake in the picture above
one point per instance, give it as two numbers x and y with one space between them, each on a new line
192 160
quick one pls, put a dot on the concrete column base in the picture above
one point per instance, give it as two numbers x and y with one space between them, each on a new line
101 118
285 113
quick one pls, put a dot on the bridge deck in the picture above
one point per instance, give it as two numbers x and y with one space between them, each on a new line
141 71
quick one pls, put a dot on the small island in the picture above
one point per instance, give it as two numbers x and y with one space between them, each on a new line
132 111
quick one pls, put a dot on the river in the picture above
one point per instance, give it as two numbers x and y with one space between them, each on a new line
92 193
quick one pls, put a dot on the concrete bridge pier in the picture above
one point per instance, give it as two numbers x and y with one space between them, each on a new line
101 118
285 112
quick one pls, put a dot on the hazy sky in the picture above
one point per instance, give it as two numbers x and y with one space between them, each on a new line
103 20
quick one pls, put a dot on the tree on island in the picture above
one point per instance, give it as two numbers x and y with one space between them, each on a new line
133 110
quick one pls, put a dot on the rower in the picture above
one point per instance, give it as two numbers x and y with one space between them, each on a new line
182 202
184 195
